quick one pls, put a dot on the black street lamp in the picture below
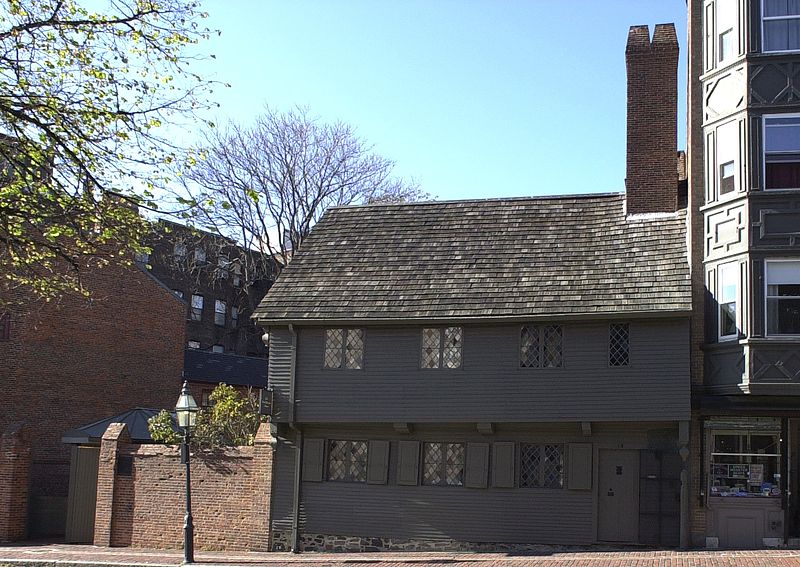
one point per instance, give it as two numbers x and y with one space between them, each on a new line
186 411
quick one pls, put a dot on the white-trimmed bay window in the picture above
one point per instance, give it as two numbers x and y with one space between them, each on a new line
782 151
780 25
783 297
727 154
727 294
727 28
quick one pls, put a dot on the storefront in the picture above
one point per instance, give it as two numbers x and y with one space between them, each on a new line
748 484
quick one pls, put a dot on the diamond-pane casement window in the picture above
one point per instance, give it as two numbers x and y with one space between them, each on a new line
344 348
347 461
334 341
451 355
432 471
541 466
454 464
528 465
431 345
541 346
443 464
529 347
619 344
354 348
551 351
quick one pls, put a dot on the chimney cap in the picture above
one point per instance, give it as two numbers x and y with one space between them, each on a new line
664 37
638 39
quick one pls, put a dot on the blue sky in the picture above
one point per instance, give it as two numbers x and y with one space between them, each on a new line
471 98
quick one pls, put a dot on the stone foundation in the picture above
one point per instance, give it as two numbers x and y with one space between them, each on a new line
281 541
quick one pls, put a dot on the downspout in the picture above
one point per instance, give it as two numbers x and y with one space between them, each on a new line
298 453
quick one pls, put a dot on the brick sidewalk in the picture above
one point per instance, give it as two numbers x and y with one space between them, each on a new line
46 555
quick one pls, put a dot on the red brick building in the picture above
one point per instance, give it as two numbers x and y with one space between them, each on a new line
71 362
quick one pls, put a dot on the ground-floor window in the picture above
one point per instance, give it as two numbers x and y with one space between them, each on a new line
444 464
541 466
347 460
745 461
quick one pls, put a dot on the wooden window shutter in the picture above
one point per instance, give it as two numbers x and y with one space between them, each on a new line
313 460
579 463
378 462
408 463
503 464
477 472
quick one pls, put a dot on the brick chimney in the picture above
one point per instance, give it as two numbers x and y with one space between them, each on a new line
652 178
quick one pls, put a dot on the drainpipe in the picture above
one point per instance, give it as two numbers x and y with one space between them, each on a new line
298 453
683 442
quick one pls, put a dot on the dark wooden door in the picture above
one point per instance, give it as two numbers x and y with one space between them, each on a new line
618 496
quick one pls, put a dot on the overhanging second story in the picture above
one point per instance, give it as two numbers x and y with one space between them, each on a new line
557 309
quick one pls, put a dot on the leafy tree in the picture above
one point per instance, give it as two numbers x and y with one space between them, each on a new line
231 420
87 94
266 185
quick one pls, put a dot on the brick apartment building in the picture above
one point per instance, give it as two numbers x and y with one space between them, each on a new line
74 361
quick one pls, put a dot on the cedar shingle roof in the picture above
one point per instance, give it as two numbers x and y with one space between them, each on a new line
529 257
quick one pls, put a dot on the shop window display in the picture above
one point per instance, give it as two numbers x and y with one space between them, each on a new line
746 464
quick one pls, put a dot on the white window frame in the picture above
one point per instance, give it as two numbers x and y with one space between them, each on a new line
767 296
764 148
718 159
220 308
192 307
733 28
735 269
764 18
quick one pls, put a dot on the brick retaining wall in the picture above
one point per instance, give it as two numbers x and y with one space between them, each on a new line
141 491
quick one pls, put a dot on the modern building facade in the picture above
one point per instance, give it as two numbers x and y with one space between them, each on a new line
744 162
496 373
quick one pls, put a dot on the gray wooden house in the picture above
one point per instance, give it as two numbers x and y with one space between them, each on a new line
491 374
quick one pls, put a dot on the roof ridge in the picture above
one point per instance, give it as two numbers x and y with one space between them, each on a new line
483 200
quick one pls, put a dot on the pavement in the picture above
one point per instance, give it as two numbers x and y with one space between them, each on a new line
61 555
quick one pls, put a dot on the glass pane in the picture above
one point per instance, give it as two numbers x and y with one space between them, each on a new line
430 348
529 347
727 320
333 348
337 462
764 444
454 465
782 35
776 8
782 135
358 465
727 444
528 465
553 466
619 345
354 349
783 316
451 356
552 346
432 470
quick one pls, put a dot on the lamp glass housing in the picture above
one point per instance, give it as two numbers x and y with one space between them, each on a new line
186 409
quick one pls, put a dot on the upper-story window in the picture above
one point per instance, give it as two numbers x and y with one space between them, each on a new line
541 346
199 255
726 28
194 344
727 154
220 309
782 152
727 294
178 292
781 29
344 348
219 349
619 344
783 297
179 250
234 316
441 348
196 313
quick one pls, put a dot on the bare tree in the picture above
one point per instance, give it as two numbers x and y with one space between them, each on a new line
266 185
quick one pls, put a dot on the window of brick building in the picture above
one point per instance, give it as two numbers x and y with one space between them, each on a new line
199 255
541 466
179 250
194 344
443 464
196 311
783 297
5 326
344 348
726 26
347 461
441 347
234 316
218 349
727 157
781 25
619 344
782 152
541 346
178 292
220 309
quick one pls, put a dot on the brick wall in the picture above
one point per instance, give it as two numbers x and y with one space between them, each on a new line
68 363
652 174
230 495
15 455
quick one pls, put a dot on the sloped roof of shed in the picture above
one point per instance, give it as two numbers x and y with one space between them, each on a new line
498 258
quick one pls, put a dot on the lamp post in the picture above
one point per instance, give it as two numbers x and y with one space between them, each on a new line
186 411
